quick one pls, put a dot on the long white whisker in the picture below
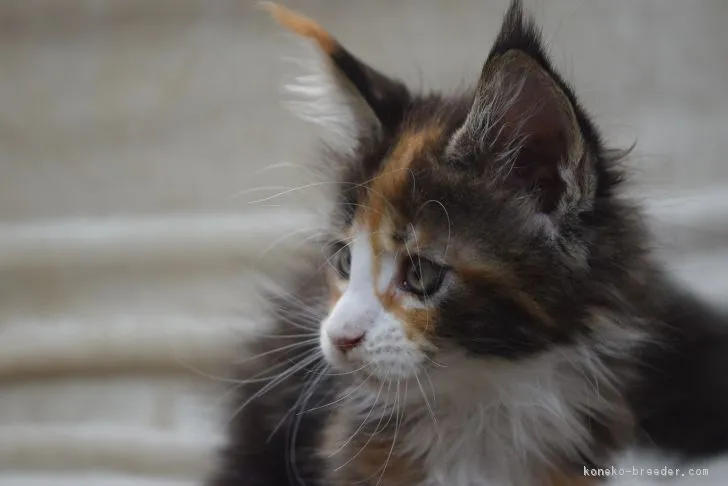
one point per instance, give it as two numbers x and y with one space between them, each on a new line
286 165
306 394
313 330
376 430
371 409
307 390
427 404
432 387
340 399
272 384
293 359
285 237
279 349
285 336
258 189
435 363
288 191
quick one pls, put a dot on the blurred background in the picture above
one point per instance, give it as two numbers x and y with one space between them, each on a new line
141 143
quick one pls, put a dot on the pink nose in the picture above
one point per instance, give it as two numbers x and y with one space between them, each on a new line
346 343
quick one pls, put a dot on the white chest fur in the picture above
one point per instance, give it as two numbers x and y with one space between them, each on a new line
503 426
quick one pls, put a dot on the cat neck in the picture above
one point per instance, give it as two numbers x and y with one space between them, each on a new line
471 418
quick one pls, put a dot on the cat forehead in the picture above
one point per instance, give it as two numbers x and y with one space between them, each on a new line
393 200
413 201
411 191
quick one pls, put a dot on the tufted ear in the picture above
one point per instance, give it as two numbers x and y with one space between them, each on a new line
523 123
346 96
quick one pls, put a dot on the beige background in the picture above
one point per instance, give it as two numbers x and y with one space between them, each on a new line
131 106
135 134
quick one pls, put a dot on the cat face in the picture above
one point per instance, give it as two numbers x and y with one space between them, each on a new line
428 257
461 223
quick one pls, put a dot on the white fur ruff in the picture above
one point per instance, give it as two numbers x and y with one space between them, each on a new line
501 424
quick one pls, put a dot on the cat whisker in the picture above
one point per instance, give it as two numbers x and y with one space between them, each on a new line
344 373
307 394
285 237
204 374
363 423
279 349
340 399
228 379
395 412
310 324
433 362
272 384
432 387
309 384
256 377
427 404
258 189
356 432
287 191
286 165
303 308
284 336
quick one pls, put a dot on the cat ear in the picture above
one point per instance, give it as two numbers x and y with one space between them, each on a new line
523 124
345 95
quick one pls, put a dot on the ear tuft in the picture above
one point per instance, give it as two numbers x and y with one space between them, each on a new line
519 32
345 95
523 129
301 25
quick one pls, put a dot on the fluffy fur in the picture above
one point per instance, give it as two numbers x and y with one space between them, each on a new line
487 311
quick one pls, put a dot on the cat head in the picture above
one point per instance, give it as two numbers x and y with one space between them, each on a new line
466 223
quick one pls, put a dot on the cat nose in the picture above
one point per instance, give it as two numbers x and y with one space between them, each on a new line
346 343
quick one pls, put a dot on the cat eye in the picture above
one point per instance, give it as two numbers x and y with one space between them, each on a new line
341 259
421 276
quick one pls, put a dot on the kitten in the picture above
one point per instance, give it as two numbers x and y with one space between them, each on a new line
488 311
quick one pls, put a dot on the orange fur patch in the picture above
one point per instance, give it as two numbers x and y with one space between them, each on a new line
377 214
416 322
302 25
509 284
392 180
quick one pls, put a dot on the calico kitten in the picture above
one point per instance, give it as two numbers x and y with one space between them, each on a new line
488 311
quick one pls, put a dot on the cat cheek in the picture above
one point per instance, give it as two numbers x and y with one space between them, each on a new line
418 325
